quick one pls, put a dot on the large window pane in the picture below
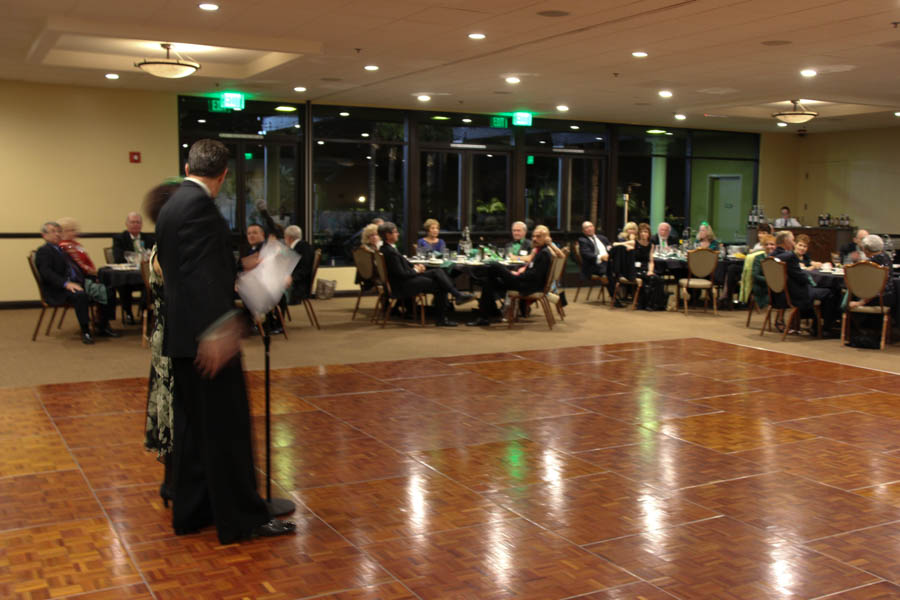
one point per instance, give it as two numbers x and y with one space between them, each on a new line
352 184
640 140
551 133
655 188
542 191
490 177
587 187
450 128
270 176
440 187
357 123
258 118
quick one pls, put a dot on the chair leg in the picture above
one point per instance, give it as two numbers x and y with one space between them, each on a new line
885 327
513 313
792 316
684 298
280 316
715 300
844 329
590 287
577 291
356 308
61 317
287 312
423 302
312 313
637 293
144 328
387 311
562 313
750 308
259 326
545 304
819 322
767 321
615 295
53 316
38 326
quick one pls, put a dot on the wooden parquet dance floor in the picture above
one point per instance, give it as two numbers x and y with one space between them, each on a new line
683 469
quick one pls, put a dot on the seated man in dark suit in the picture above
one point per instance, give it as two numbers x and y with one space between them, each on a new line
520 244
131 240
663 237
527 280
851 252
594 250
256 239
408 280
302 274
63 282
801 287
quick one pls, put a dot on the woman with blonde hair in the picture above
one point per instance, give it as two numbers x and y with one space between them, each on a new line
369 237
431 242
706 237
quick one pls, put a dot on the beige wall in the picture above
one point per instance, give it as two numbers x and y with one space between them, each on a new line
850 172
64 152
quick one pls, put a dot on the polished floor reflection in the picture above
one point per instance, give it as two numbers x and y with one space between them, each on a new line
683 469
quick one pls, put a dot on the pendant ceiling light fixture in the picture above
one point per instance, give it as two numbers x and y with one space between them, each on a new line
800 114
168 67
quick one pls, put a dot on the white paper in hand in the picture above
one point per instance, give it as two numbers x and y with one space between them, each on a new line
262 287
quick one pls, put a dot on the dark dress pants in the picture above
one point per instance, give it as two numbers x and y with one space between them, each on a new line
829 306
81 303
214 478
603 270
499 280
424 284
125 297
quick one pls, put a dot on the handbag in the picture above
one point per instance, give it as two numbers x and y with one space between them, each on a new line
325 288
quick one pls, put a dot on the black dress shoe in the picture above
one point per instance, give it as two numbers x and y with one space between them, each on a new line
166 494
105 331
479 323
129 320
87 338
464 298
273 528
446 323
276 331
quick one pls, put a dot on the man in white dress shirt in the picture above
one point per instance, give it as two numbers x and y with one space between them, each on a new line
786 220
594 249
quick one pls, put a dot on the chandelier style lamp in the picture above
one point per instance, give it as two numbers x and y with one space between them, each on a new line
799 114
168 67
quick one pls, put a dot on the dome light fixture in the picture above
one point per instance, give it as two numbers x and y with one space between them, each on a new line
512 79
476 36
208 6
809 73
299 89
665 93
799 114
112 75
680 117
371 67
639 54
168 67
423 97
562 108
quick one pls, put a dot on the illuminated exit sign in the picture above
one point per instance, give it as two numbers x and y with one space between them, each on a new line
522 118
499 122
233 100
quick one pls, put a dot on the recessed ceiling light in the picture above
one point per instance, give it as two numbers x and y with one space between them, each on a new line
208 6
371 67
321 143
299 88
780 124
112 75
599 139
440 118
809 72
364 134
669 133
201 120
562 108
665 93
490 156
476 36
285 108
368 158
184 146
296 125
574 127
513 80
897 114
639 54
423 97
543 141
680 117
467 120
361 199
656 131
344 114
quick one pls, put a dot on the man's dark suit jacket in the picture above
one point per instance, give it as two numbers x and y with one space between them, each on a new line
535 276
123 243
672 240
400 272
302 273
525 244
589 253
798 280
54 265
198 267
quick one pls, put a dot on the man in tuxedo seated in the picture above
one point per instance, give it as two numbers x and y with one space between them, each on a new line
527 280
300 277
407 280
663 237
594 250
852 252
801 287
131 240
256 239
62 281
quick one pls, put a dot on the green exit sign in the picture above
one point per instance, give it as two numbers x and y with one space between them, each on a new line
522 118
233 100
216 106
499 122
529 160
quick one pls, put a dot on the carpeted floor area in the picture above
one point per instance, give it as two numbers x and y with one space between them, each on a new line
61 357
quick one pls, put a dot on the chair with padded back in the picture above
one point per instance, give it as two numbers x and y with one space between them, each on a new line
364 259
45 305
558 280
775 272
307 303
866 280
540 296
576 254
388 299
701 266
109 256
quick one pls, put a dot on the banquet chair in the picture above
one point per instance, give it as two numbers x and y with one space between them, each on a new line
147 308
637 283
775 272
364 259
109 256
540 296
866 280
558 282
701 266
388 299
576 253
307 303
45 305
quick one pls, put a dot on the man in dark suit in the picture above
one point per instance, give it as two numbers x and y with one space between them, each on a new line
407 280
214 476
663 237
594 250
520 244
851 252
527 280
131 240
302 274
801 287
256 239
62 281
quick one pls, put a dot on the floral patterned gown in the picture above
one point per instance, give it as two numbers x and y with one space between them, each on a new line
159 429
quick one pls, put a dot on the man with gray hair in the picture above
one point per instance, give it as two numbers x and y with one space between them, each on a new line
131 240
520 244
663 237
852 252
301 284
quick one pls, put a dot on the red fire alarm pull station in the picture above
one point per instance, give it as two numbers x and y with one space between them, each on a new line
134 157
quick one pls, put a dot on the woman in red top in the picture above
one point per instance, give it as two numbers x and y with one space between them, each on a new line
70 244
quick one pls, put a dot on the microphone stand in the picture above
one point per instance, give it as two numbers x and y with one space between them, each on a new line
277 506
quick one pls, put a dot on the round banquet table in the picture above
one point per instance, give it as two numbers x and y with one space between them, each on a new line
116 278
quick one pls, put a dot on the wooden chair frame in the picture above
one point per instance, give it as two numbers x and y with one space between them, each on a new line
777 283
602 279
387 300
541 297
885 311
364 259
45 305
694 272
307 302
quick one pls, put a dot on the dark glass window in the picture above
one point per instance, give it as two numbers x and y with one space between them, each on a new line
490 185
453 128
587 185
548 134
357 123
543 191
270 178
440 188
643 141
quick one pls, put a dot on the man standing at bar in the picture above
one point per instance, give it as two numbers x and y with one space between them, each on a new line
214 477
